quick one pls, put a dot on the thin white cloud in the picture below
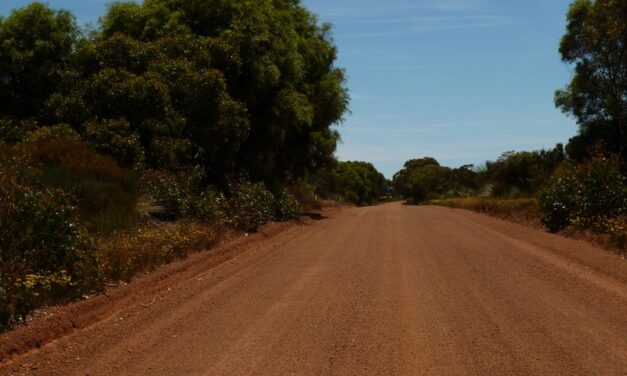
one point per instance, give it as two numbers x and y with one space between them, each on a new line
376 8
440 19
395 67
363 97
435 25
445 5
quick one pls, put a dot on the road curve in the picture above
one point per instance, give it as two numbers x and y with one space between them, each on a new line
384 290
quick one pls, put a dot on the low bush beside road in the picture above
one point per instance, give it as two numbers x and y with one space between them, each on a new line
608 231
519 207
72 219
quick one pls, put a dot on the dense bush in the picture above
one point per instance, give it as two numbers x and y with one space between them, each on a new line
13 131
286 207
305 194
523 174
167 191
170 83
209 206
251 205
585 195
115 138
61 131
352 181
106 194
424 179
512 175
45 255
519 207
184 195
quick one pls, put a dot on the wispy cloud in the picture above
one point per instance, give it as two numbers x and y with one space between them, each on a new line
364 97
374 8
395 67
417 25
487 18
445 5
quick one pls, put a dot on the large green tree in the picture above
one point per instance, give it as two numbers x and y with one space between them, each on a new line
275 62
236 87
36 44
597 95
422 179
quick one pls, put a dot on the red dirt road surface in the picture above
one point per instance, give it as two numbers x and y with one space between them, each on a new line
385 290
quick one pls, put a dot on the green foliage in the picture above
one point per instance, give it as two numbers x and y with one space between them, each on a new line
585 195
286 207
37 43
15 131
115 138
61 131
526 207
251 205
167 191
597 94
305 194
356 182
254 80
45 256
424 179
105 193
183 94
209 206
523 173
185 196
558 200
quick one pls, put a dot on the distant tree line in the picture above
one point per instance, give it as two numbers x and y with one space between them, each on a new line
583 184
352 181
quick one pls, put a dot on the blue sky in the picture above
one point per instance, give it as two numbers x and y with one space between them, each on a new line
459 80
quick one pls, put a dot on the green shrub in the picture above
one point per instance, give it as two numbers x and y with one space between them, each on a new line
585 195
115 138
46 257
527 207
558 201
305 195
106 194
185 195
251 205
167 191
286 207
209 206
616 228
52 133
14 131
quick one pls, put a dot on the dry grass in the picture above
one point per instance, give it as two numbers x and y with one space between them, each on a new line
124 255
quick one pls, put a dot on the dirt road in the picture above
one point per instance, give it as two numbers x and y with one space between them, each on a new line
386 290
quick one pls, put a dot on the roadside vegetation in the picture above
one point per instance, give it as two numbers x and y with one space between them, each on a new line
130 145
517 208
357 182
580 187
